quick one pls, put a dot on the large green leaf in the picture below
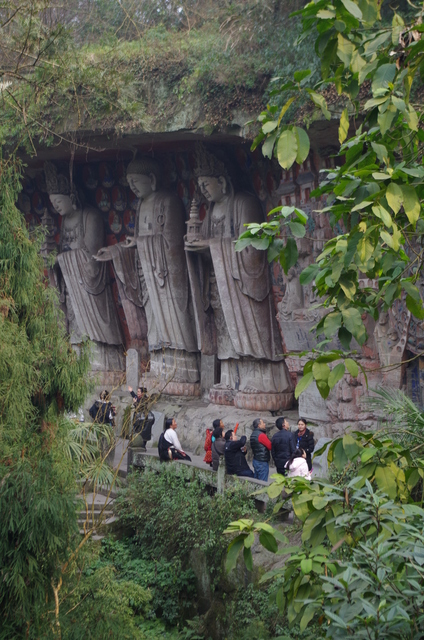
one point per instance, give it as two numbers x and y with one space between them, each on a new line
367 454
385 119
307 616
297 229
353 322
353 9
386 481
345 49
352 367
233 551
303 384
412 118
319 100
411 203
249 540
349 288
351 447
332 323
309 274
394 196
384 74
306 565
269 126
303 145
268 146
248 558
336 374
370 10
288 255
268 541
344 126
383 214
340 458
260 243
411 290
416 308
321 371
287 149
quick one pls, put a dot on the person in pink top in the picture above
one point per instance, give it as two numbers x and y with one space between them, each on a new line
297 466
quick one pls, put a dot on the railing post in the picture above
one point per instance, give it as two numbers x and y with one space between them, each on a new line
221 477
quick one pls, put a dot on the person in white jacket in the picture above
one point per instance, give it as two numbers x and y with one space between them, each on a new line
296 465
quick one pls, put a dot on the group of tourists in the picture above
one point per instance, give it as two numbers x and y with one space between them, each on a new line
291 451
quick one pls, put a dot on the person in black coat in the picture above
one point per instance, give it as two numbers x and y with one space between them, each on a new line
235 455
305 440
283 444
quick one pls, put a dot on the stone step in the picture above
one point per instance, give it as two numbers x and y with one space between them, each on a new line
94 536
95 514
104 491
108 520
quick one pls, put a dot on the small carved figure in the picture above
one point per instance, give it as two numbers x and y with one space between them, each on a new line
293 296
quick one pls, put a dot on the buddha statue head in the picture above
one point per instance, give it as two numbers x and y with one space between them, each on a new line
144 176
212 176
63 196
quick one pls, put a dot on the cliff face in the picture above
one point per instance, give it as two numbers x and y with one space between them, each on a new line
208 70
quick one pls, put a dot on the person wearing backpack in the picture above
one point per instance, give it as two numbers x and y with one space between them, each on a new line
102 411
143 419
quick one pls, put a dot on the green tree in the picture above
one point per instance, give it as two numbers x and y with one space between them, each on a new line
377 191
40 376
359 567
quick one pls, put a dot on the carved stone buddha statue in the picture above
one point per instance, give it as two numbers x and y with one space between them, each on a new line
235 314
160 230
83 282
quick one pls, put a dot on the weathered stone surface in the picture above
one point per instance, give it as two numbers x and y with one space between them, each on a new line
263 401
235 316
312 406
83 283
159 235
245 381
124 260
133 368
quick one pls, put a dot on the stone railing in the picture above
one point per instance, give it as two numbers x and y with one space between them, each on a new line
219 480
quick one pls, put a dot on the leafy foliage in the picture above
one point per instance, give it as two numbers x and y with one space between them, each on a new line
131 66
376 192
171 516
359 567
39 376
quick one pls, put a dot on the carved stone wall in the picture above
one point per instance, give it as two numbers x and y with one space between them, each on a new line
103 185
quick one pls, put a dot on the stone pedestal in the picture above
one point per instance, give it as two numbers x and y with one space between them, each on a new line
251 401
222 396
263 401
